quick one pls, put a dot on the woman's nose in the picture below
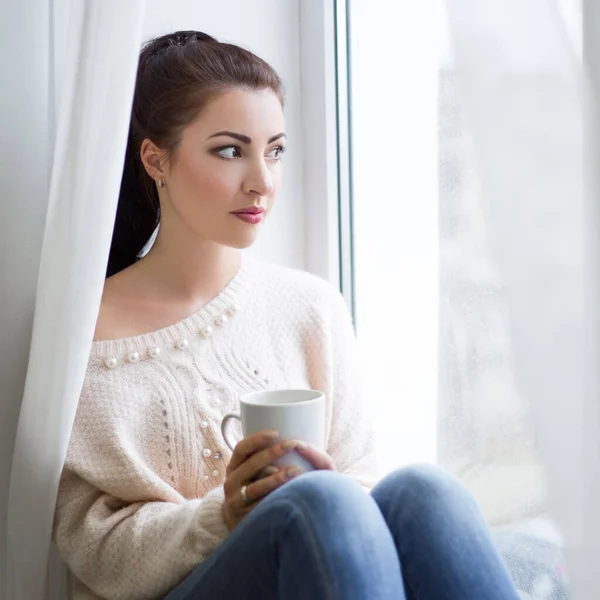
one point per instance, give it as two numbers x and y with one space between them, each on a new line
258 180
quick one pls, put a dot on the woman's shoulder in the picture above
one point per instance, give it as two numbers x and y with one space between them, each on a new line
294 288
112 319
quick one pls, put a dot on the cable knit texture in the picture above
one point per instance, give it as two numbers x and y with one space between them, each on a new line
140 498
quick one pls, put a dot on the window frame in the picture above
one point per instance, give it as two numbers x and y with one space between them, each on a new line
327 155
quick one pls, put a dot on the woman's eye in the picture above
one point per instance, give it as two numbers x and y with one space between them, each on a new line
229 152
276 152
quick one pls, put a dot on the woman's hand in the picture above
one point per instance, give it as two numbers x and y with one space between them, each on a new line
320 460
252 458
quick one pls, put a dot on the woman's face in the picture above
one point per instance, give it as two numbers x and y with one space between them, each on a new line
224 176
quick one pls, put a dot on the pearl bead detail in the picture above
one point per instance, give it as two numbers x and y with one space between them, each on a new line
233 309
204 424
206 331
133 357
205 477
206 452
215 473
217 456
111 362
221 320
181 344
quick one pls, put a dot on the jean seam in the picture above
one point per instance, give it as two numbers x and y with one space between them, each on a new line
389 520
309 526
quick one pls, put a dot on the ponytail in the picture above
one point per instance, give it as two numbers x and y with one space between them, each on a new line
138 211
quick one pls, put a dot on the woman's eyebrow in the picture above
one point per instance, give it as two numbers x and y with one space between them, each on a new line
244 138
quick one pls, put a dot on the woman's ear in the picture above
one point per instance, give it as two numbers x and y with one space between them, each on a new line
152 158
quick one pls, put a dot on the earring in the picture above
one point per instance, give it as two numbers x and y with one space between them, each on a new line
160 182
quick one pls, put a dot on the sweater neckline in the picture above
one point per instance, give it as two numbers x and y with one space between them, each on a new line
209 317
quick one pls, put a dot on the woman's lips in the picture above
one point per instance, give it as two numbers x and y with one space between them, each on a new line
251 216
254 218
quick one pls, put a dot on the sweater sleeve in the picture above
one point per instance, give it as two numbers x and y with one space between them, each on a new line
351 438
136 550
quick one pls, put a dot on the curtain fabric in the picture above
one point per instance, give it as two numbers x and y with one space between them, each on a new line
95 91
524 85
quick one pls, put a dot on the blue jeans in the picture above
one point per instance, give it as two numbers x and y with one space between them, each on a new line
418 536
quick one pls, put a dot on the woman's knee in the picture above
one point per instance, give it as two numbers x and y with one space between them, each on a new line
328 523
422 488
324 495
318 487
330 510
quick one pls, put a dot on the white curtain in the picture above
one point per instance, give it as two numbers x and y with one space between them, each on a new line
94 91
523 85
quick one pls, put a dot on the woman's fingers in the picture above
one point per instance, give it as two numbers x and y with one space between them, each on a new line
251 474
249 446
248 470
266 472
242 488
320 460
257 490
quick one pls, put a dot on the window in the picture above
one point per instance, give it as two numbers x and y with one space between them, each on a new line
430 305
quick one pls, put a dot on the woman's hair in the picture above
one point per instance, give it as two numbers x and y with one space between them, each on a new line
178 74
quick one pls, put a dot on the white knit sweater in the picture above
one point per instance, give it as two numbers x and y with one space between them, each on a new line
140 499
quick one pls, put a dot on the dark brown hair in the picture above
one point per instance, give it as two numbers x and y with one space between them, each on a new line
177 75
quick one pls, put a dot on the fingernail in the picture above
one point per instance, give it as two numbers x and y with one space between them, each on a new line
271 435
293 472
271 470
301 445
290 444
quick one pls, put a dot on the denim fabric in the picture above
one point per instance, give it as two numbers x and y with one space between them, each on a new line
417 536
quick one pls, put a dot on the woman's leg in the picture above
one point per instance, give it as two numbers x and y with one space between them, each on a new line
443 543
319 536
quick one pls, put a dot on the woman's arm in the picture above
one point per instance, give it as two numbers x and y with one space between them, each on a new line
133 551
351 440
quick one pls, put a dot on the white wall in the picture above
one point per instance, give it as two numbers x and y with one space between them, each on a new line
270 28
23 181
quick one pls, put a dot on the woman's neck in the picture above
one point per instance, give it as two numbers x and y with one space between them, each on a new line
190 275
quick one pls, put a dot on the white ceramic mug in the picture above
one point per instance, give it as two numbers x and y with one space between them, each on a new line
295 414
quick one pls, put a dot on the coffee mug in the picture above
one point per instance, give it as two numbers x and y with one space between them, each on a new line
295 414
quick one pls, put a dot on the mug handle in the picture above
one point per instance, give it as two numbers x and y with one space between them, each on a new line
224 422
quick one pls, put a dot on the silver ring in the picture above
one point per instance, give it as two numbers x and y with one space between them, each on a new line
244 495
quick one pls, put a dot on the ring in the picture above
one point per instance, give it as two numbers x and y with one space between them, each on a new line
244 495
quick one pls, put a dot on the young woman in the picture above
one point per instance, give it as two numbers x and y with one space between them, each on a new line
151 502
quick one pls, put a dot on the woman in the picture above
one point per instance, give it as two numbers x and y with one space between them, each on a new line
151 503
